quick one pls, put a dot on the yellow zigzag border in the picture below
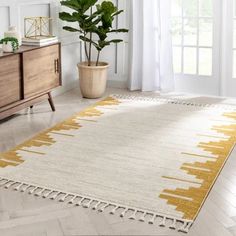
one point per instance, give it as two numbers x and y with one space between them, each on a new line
13 158
206 172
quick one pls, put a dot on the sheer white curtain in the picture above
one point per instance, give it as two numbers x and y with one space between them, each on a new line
151 65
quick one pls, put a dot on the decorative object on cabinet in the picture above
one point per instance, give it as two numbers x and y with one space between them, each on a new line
37 27
9 44
98 24
28 76
39 42
13 33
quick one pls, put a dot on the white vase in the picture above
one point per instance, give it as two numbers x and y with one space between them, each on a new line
7 47
12 32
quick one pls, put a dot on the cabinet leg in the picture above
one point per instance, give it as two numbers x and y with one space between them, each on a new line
50 100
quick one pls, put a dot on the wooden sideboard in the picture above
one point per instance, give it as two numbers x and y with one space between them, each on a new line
28 76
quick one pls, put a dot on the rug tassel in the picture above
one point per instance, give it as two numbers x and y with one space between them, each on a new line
124 212
47 194
102 209
54 196
87 205
62 199
114 210
173 226
96 206
80 202
6 182
32 190
7 186
151 221
163 222
17 188
72 200
39 193
142 218
185 228
25 188
133 216
2 182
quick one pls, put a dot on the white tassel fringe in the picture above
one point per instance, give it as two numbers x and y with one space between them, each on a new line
100 205
165 100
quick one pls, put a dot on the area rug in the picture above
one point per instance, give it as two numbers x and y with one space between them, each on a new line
149 159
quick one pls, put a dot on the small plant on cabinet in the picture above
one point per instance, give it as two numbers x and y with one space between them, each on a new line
10 44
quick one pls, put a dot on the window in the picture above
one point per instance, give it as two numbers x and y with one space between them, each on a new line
204 46
192 30
234 40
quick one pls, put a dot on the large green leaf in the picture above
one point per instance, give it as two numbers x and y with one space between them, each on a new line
107 21
65 16
71 29
87 4
96 16
117 13
119 31
108 7
116 41
103 44
73 4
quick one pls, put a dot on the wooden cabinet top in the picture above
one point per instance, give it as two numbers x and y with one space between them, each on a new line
24 49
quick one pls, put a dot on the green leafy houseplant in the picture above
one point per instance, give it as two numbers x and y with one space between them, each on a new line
14 42
93 23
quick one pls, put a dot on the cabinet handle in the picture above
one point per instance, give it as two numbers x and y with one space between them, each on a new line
56 66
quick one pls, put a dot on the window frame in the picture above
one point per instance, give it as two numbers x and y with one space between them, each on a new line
197 83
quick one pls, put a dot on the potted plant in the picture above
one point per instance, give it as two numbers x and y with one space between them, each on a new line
95 25
9 44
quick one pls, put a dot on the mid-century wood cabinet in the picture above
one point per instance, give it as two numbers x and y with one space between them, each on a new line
28 77
10 80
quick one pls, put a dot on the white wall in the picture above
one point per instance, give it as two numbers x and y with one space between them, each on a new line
13 12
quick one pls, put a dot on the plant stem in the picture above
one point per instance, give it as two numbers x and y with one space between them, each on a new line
90 44
90 50
98 58
85 48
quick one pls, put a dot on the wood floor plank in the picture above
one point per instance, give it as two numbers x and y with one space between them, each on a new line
219 214
222 203
14 222
224 182
224 193
214 227
51 228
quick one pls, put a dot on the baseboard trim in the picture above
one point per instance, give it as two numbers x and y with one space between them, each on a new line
117 84
75 84
65 88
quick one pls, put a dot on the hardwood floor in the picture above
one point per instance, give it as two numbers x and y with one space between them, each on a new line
26 215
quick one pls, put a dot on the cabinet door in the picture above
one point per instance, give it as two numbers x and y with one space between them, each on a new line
41 70
10 80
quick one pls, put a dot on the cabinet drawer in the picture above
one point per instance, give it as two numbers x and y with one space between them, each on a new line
41 70
10 80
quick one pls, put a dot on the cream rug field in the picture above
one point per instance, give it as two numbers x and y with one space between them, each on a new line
150 159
